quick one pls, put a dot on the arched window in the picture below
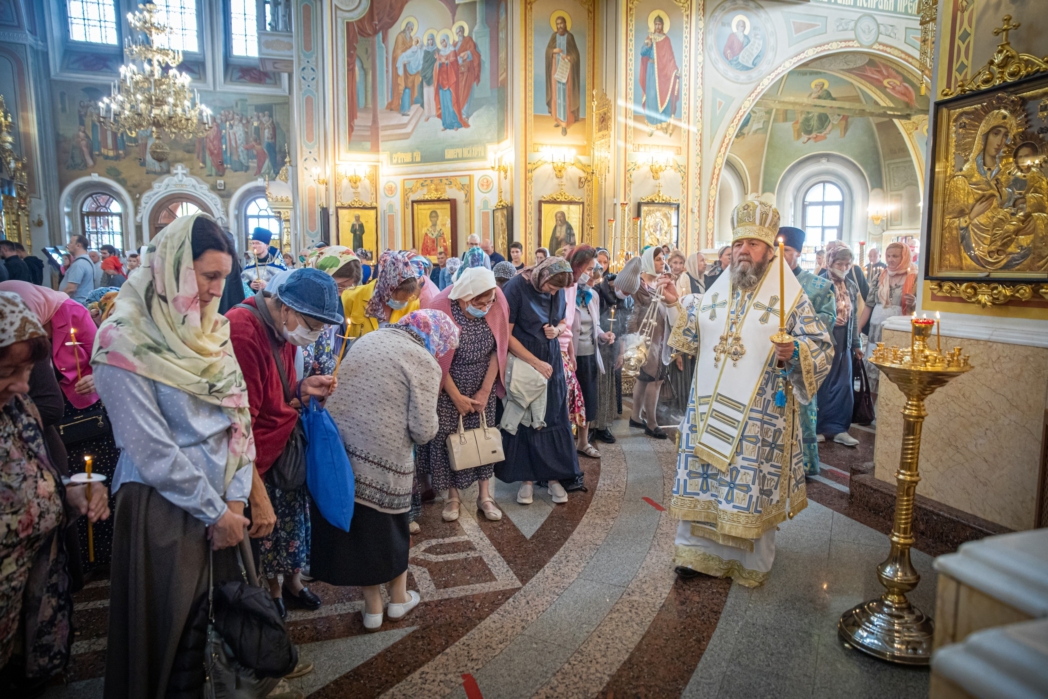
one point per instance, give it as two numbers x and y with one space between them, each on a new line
823 213
257 214
180 16
92 21
172 211
101 218
243 27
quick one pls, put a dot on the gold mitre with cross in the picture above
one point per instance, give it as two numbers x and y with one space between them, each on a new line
755 219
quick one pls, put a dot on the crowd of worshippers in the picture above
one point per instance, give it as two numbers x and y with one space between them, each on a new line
189 375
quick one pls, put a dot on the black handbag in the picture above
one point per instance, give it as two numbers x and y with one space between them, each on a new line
78 425
288 472
862 410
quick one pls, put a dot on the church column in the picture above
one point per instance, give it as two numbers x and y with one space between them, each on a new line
308 106
482 37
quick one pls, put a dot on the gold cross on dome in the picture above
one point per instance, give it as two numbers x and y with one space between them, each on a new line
769 310
713 306
1007 27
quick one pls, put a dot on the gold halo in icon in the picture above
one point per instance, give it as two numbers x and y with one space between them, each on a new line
665 21
559 13
460 23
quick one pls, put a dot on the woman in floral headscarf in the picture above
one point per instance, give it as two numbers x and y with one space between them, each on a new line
392 295
535 298
400 362
179 408
35 607
893 293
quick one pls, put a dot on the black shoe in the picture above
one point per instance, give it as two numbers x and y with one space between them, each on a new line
603 436
641 425
686 573
306 599
657 433
281 609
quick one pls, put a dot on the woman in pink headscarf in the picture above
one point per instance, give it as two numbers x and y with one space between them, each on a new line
892 293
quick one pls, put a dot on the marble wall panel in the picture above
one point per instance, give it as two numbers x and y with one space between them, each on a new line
981 445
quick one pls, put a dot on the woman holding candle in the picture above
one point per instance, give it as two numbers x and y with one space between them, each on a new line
654 371
836 394
35 607
893 293
71 330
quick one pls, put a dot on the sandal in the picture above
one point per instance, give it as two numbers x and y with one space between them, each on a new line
450 514
491 511
590 451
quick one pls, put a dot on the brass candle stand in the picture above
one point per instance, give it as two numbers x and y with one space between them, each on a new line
890 627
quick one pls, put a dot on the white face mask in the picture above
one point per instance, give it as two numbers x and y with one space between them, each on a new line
584 278
301 336
396 305
622 296
837 273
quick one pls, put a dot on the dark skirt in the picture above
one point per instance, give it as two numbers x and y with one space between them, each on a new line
549 453
286 549
159 573
836 395
104 455
373 552
588 374
607 388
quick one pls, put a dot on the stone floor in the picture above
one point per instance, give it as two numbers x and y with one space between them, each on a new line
580 600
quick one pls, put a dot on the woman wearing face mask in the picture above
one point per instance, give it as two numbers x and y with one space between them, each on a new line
586 339
836 397
388 298
264 332
614 294
654 370
344 267
892 293
472 377
581 258
536 321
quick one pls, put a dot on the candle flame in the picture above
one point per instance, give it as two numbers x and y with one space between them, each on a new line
937 316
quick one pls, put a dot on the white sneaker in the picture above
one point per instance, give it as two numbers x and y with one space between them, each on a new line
525 496
397 611
846 439
557 492
821 438
372 622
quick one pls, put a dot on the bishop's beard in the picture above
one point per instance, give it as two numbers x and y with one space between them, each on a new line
746 276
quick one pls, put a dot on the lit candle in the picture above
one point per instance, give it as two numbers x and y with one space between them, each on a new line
345 345
782 285
76 353
90 529
938 333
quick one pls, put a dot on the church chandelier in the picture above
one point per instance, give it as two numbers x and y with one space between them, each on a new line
151 94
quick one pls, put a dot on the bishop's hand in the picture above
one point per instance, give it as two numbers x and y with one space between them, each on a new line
783 351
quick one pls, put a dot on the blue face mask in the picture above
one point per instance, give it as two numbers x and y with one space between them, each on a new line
396 305
475 312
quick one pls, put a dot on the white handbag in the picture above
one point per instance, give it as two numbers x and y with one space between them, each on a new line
472 448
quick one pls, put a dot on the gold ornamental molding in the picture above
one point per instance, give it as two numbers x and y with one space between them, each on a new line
659 198
987 295
1006 66
561 195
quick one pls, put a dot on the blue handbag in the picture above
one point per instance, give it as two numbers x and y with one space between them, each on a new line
329 474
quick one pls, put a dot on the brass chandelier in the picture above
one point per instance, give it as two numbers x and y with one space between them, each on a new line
151 93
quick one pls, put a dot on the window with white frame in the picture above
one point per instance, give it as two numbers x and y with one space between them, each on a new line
101 218
92 21
180 17
823 213
243 26
257 214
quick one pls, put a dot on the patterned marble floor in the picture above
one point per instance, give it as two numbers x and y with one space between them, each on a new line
580 600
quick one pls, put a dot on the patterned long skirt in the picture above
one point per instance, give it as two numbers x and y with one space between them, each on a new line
286 549
576 404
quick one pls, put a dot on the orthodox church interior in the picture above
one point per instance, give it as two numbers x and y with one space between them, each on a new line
635 123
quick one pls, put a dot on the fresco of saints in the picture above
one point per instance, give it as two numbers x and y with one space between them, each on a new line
977 230
80 156
428 74
434 238
356 231
449 109
563 75
659 78
743 45
562 233
470 67
403 80
408 66
816 126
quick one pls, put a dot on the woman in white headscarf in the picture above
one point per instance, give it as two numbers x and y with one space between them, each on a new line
654 370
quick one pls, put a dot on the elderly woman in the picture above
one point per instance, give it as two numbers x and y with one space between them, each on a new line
723 263
654 370
179 407
472 376
540 255
836 397
615 306
536 321
35 607
676 260
586 339
582 259
391 296
892 293
401 363
693 279
65 320
504 271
